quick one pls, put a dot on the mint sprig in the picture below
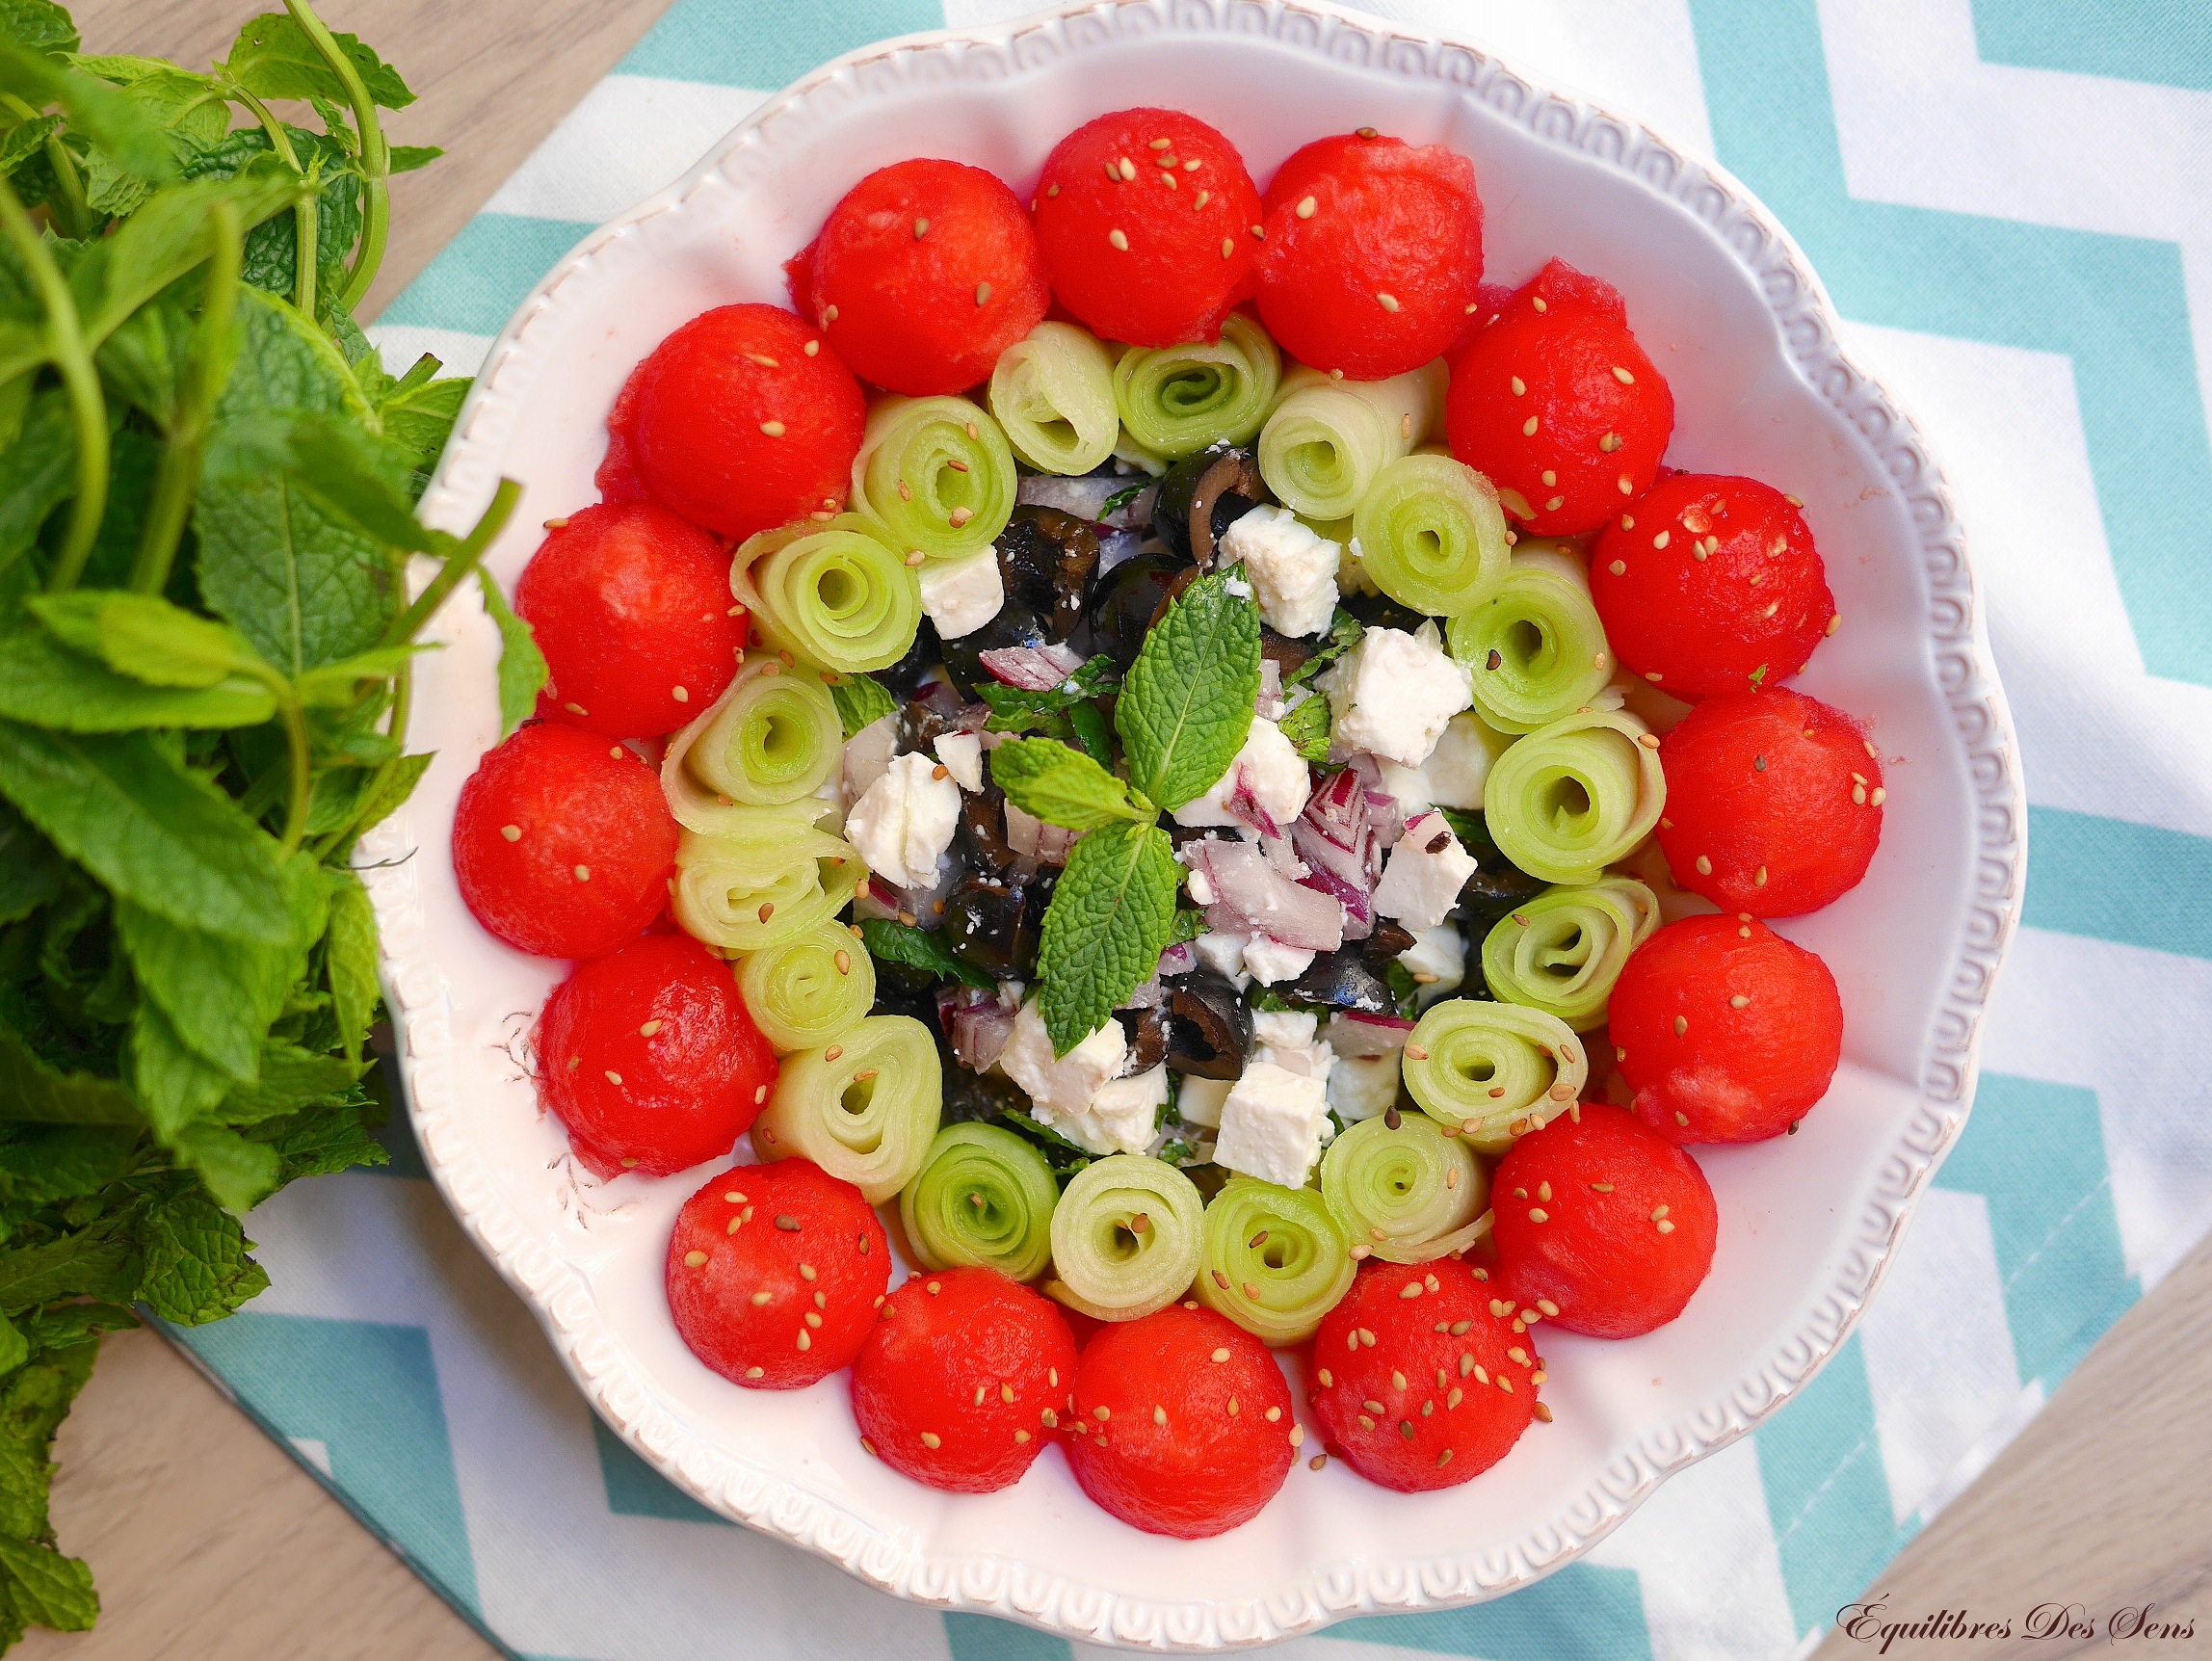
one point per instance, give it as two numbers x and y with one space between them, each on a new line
1184 711
1309 727
861 700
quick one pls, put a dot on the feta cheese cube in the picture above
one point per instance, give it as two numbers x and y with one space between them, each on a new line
903 822
1362 1086
1453 774
1292 570
1286 1038
1222 952
1060 1088
963 594
1440 952
867 754
1268 769
962 753
1393 695
1198 1100
1426 871
1120 1116
1274 1123
1268 961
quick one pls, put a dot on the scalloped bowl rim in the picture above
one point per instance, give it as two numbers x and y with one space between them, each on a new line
790 1502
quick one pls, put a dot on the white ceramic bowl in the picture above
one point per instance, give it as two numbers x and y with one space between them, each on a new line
1728 309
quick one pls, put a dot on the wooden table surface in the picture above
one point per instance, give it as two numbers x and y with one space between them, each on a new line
211 1544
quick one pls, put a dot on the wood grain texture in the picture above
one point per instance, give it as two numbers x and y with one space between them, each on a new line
210 1543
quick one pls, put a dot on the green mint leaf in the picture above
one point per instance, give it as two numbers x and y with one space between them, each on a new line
1112 911
321 1139
861 701
1123 497
350 470
406 158
39 25
1015 709
122 809
1344 631
31 1092
47 1588
166 238
1186 706
1189 926
350 958
100 113
30 872
197 1268
24 141
176 1086
144 637
15 1350
338 685
74 1323
86 1264
1064 786
147 359
1093 736
238 1172
291 1078
1307 729
221 995
39 466
45 683
890 942
419 417
390 793
274 58
51 1162
271 262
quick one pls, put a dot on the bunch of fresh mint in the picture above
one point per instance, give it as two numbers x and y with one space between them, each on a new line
207 484
1183 712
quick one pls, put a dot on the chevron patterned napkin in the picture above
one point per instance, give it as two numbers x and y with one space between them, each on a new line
2011 203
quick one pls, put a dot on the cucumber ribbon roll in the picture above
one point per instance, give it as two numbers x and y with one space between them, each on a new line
809 989
1407 1194
1276 1259
771 741
1327 440
833 594
762 878
1573 797
1127 1238
1562 951
864 1108
1432 537
982 1197
1535 649
1053 393
1493 1071
933 475
1176 400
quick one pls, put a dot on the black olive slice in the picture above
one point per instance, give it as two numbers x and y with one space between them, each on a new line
1209 1026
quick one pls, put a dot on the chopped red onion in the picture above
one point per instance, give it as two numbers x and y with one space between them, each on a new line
1271 703
978 1023
1359 1034
1255 894
1338 837
1033 838
1032 668
1180 958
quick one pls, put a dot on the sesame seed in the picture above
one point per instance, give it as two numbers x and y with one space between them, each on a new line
1609 443
767 910
1537 1214
583 873
1101 1414
1410 1289
807 1271
1366 1338
692 1260
812 1319
1388 302
1460 1329
1759 880
813 346
1232 1407
1555 504
787 1222
931 1439
1415 1052
1252 1291
916 557
1193 165
1367 1423
1049 1419
1466 1364
734 1198
1305 208
1681 1118
1260 231
1627 521
1878 796
1112 172
1373 1407
1128 168
1704 866
1666 1227
1550 477
1020 1435
822 1300
1627 489
1624 376
1272 1415
805 1341
759 1093
560 524
829 315
1528 428
615 1078
756 1372
1159 1415
1859 794
1200 199
1050 192
1318 1460
1119 240
1229 247
1662 539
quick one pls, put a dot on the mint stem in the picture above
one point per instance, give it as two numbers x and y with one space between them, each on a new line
306 216
75 218
80 380
376 156
461 561
178 476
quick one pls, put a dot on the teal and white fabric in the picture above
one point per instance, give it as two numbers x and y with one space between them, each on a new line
2011 203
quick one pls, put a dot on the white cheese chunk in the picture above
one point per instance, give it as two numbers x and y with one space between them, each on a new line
962 753
1426 871
1292 570
903 822
1198 1100
1393 695
1060 1088
1222 952
1286 1038
1362 1086
867 754
1274 1123
1268 961
1441 953
1268 769
1456 771
963 594
1120 1118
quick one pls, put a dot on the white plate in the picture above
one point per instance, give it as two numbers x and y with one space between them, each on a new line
1728 308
